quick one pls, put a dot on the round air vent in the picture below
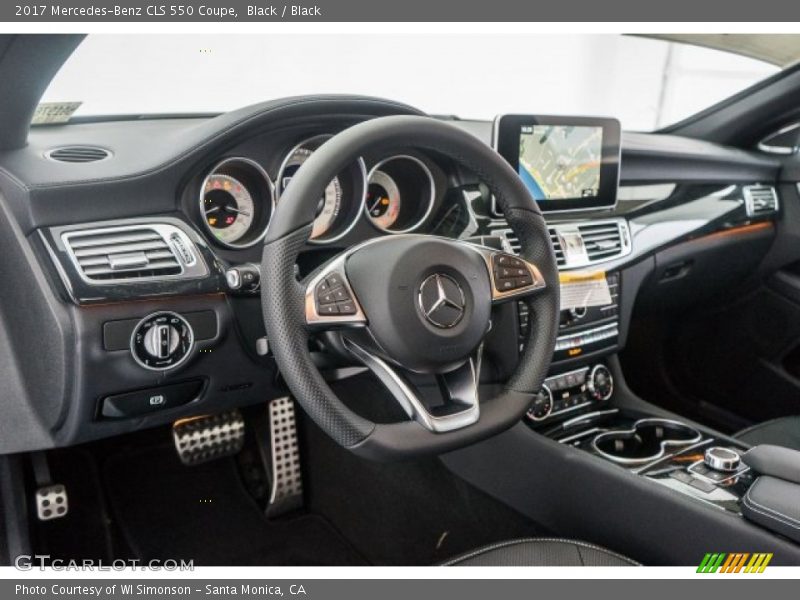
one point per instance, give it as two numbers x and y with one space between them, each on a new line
78 154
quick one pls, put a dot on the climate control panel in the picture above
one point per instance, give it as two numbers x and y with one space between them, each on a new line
565 393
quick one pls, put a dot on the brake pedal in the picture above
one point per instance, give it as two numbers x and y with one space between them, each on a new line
201 439
285 472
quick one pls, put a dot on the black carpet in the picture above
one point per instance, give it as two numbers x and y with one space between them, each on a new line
203 513
403 513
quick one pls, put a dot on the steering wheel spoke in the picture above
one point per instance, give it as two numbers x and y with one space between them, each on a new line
329 299
459 388
512 277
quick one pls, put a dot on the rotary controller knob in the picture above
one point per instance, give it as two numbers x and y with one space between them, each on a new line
161 341
722 459
542 405
600 383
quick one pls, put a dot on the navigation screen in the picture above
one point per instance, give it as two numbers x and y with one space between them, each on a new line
566 163
560 161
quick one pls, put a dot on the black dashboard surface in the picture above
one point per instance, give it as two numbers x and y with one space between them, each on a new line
673 190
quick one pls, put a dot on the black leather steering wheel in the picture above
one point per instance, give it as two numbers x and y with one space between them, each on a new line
425 310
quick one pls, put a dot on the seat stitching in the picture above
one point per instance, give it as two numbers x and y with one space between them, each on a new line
508 543
755 506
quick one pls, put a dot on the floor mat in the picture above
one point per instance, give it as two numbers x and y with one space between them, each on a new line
202 513
412 512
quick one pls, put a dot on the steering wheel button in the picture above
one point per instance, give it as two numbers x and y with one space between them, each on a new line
329 309
334 280
327 298
346 308
523 281
340 294
506 284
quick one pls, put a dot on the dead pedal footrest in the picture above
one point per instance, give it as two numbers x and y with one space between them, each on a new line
200 439
285 469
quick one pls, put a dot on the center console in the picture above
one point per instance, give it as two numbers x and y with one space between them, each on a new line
665 451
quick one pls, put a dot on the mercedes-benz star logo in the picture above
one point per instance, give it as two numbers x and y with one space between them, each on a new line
442 300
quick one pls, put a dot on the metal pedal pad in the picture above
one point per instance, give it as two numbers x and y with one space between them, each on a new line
51 502
200 439
285 470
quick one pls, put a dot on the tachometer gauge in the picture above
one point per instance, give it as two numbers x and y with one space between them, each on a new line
340 204
331 202
236 202
227 207
383 200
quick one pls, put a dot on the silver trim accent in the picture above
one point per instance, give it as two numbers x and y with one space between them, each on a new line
588 336
667 443
270 190
360 162
458 304
590 383
183 359
740 470
360 319
52 502
576 256
461 383
723 459
287 476
431 201
533 417
48 154
166 231
313 318
585 417
784 150
750 201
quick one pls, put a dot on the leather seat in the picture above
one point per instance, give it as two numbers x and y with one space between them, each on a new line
541 552
778 432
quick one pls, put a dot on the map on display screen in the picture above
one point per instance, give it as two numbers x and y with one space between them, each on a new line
560 161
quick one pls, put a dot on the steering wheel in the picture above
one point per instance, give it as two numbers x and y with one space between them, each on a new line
425 309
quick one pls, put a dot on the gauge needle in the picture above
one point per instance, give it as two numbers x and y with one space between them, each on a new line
371 208
236 210
212 210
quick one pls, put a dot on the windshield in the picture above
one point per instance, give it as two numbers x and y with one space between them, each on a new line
646 83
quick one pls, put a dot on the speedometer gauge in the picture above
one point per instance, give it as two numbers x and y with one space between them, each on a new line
227 207
383 200
236 202
340 204
401 193
331 202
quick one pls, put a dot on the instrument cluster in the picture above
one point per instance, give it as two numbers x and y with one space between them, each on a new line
238 196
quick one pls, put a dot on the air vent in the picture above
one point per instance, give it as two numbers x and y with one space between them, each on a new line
78 154
602 241
583 244
131 253
760 200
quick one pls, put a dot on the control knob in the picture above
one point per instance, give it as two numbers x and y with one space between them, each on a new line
542 405
600 383
161 341
722 459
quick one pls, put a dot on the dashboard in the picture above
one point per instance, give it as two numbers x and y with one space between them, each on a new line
160 232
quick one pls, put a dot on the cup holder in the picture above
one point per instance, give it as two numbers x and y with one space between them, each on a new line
647 440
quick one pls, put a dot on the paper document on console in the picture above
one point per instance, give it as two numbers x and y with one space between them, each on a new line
584 289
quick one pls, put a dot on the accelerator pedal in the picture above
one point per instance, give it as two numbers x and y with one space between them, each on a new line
282 457
204 438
